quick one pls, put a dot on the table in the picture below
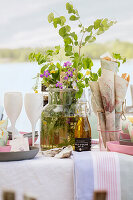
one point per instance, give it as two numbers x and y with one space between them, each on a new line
43 177
52 179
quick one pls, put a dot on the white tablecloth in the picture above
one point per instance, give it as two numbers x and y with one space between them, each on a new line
44 178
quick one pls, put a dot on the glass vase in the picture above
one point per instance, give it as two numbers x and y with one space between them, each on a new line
108 135
58 119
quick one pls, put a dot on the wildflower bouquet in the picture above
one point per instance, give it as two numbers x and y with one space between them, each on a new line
76 72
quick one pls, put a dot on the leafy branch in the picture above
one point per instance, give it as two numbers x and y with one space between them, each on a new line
80 69
88 34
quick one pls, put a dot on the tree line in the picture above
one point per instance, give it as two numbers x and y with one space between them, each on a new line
94 51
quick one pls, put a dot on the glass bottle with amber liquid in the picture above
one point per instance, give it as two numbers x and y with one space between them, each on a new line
83 128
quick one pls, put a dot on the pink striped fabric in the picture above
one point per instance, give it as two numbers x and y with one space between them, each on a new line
107 174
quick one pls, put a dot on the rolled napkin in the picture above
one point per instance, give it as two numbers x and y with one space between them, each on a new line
97 105
121 85
108 95
96 95
102 128
94 106
106 84
109 64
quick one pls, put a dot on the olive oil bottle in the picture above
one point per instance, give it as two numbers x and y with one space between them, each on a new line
83 128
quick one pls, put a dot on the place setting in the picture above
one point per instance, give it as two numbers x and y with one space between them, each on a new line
18 145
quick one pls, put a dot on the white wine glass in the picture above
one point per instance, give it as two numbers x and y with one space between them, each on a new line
33 106
13 105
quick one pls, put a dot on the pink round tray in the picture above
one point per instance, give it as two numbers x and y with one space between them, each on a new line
116 147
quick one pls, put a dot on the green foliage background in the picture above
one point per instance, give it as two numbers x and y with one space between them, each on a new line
93 50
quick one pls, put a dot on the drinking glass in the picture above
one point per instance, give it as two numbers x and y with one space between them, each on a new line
13 105
33 106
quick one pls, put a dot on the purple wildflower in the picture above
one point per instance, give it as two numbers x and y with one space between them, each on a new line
67 64
66 77
41 75
58 84
46 73
73 69
69 73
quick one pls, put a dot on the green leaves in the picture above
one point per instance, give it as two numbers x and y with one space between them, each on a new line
49 52
43 69
89 29
80 25
73 18
68 50
102 25
80 75
87 63
64 30
39 58
86 80
87 38
93 39
93 76
32 57
118 58
56 75
58 66
97 23
100 31
70 9
74 35
63 20
50 17
58 20
99 72
79 93
80 86
57 49
68 40
76 43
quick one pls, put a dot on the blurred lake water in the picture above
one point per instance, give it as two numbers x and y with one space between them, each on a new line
19 77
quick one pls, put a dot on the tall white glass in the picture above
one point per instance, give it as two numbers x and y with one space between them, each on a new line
33 106
13 105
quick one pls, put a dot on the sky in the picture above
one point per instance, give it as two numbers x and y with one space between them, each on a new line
23 23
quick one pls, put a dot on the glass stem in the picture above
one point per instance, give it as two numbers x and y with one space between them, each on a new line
33 134
13 131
